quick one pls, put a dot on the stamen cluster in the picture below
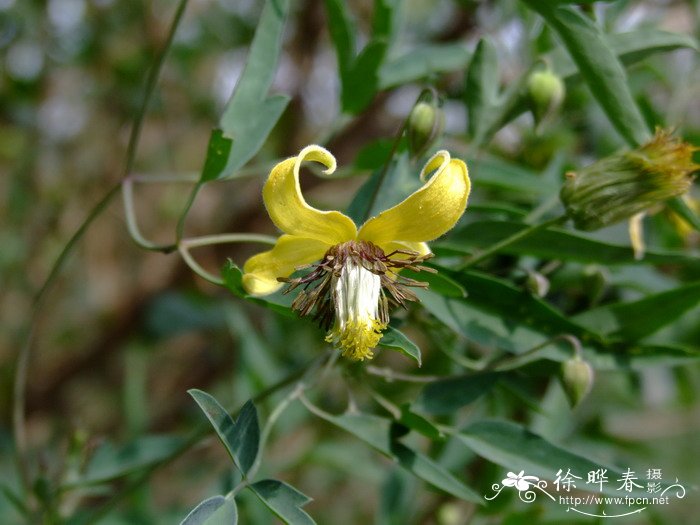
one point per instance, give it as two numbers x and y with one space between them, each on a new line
350 290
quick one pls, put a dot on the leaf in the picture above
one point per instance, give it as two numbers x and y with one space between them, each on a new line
482 87
114 461
377 432
284 500
233 280
241 438
359 76
516 448
396 340
552 243
438 283
519 306
418 423
446 396
361 82
384 189
680 207
495 173
632 321
250 115
599 67
423 62
216 510
630 47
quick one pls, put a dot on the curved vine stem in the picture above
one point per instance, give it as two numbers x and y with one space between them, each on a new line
23 358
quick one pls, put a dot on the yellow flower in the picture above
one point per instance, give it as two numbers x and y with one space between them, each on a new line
355 273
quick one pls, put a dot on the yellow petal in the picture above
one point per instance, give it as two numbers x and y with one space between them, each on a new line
420 248
289 211
636 231
261 271
430 211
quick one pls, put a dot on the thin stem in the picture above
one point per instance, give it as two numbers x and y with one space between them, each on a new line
23 358
391 375
195 438
185 245
509 362
132 225
522 234
151 82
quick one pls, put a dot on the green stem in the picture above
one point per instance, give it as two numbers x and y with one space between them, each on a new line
23 358
185 245
522 234
195 438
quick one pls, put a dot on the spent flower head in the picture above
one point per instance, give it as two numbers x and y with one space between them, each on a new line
629 182
353 275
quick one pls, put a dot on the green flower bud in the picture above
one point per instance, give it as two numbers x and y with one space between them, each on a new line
546 92
577 379
537 284
619 186
425 125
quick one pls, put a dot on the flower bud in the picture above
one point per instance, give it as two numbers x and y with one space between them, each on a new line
425 125
577 379
617 187
537 284
546 92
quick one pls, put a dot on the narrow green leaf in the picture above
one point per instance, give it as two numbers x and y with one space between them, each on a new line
438 283
552 243
599 67
377 432
111 461
516 448
679 206
233 280
449 395
634 320
519 306
384 189
250 115
242 437
283 500
218 153
422 63
482 87
361 82
216 510
418 423
630 47
396 340
342 33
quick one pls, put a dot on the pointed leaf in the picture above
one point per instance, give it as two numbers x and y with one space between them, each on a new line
377 432
396 340
216 510
284 500
242 437
516 448
423 62
632 321
448 395
482 87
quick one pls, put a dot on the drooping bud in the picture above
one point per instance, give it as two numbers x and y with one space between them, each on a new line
425 124
577 379
546 93
619 186
537 284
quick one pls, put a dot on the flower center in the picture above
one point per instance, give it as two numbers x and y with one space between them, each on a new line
349 291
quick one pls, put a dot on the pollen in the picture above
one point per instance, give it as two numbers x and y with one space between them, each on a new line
349 293
357 338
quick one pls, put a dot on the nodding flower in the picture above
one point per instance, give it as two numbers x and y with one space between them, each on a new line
353 275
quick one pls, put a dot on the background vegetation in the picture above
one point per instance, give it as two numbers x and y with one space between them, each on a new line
112 104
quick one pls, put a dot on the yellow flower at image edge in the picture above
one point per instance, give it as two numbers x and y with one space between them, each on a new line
353 274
